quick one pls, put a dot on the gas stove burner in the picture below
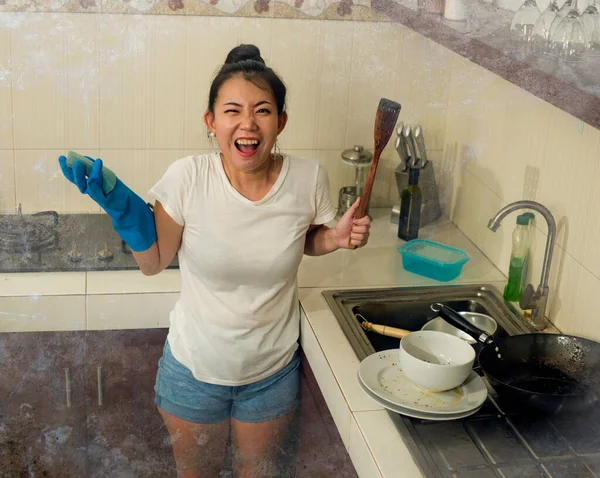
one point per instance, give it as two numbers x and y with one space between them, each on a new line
28 234
105 255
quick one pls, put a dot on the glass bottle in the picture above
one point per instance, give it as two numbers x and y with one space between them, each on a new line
411 200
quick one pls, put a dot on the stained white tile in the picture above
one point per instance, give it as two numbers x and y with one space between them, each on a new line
360 454
257 31
591 252
386 444
7 182
413 69
83 79
167 129
296 57
39 83
131 282
584 320
436 108
127 86
128 311
6 84
524 144
336 45
329 388
41 186
567 179
42 313
374 76
565 278
209 40
35 284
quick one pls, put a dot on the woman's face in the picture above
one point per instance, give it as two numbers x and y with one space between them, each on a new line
245 123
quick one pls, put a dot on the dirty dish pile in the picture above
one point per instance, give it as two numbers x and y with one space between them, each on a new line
430 377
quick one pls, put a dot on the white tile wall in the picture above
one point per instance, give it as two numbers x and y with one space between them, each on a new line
7 181
135 91
6 81
504 145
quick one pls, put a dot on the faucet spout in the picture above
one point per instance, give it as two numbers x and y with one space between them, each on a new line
535 300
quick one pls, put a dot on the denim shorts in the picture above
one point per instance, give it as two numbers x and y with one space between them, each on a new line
179 393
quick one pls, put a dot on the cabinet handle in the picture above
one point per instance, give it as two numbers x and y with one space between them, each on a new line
68 386
99 377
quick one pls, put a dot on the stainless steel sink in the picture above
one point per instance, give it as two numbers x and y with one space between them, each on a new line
409 308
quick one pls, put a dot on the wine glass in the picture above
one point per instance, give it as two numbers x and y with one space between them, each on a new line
562 13
521 27
591 21
541 30
569 40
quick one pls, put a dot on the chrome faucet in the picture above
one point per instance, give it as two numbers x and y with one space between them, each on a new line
535 300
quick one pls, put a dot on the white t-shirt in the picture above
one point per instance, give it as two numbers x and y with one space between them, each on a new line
237 319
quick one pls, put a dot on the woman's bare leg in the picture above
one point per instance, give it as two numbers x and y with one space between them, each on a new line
255 446
199 449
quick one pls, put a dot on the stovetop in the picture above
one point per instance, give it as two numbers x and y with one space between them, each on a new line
51 242
502 440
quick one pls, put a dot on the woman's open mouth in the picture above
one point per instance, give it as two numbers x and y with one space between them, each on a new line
247 147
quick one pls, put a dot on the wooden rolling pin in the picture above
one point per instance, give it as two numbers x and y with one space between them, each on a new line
384 330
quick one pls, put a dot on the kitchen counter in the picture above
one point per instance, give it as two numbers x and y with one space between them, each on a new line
127 299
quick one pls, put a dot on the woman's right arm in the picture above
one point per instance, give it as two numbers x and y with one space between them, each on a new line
162 252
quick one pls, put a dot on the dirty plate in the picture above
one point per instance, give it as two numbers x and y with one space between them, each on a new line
382 375
414 413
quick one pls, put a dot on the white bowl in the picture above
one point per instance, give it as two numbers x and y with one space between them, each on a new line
436 361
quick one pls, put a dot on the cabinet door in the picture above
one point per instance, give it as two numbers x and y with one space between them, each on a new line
126 434
42 430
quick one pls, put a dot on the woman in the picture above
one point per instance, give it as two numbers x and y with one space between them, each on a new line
241 221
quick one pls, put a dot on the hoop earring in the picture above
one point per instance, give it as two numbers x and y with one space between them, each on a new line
276 150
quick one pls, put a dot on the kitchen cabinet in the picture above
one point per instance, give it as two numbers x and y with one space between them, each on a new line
111 426
40 433
126 434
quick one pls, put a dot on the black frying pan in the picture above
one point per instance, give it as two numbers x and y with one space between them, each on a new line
548 372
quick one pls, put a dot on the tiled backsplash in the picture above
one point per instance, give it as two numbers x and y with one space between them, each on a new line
133 90
504 144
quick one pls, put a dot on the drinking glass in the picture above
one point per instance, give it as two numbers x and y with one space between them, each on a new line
541 30
569 40
521 27
591 21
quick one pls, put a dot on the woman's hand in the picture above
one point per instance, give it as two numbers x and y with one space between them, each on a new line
351 232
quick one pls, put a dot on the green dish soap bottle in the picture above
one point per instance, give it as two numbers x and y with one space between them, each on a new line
518 257
411 200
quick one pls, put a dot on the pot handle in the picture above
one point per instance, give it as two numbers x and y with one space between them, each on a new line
455 319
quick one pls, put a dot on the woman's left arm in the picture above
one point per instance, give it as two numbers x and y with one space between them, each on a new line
322 240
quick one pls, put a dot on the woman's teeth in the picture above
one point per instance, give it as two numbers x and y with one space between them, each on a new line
246 145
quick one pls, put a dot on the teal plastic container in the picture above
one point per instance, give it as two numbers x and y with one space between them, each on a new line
432 259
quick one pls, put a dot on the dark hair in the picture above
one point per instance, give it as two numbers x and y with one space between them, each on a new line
245 61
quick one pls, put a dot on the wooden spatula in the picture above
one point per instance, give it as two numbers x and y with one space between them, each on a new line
385 121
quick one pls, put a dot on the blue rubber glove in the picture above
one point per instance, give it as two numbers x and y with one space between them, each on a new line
131 217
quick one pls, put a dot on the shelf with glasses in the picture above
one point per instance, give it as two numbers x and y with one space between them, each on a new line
485 38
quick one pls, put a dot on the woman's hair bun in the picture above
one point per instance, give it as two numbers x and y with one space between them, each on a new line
243 53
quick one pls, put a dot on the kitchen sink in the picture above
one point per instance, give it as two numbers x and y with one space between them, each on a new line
501 439
409 308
